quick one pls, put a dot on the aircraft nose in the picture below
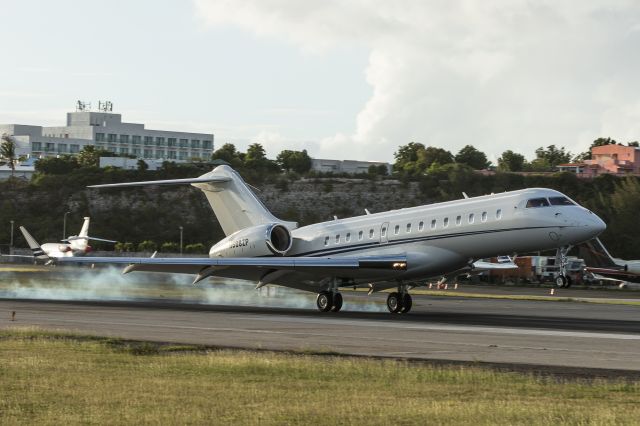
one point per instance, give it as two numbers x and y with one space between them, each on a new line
596 225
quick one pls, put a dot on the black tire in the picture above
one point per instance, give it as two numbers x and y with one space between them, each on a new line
569 282
324 301
407 303
394 303
337 302
561 281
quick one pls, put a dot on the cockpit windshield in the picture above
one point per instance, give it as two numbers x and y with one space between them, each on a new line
552 201
537 202
561 201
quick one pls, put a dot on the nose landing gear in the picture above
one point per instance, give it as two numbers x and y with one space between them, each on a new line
562 279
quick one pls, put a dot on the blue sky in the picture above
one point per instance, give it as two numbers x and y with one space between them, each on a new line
343 79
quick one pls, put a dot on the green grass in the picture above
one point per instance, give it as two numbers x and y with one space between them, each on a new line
60 378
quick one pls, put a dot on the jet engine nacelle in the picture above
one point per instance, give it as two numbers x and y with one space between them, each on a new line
261 240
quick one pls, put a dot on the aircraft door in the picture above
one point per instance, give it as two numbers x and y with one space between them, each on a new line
384 233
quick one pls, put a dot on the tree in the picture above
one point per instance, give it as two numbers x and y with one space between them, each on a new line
89 156
256 159
298 161
228 154
8 152
547 159
634 143
147 245
473 158
510 161
407 157
57 165
142 165
432 155
598 142
169 247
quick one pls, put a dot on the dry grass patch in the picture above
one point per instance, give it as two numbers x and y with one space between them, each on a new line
53 378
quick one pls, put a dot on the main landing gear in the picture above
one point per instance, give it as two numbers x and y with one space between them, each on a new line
400 302
329 301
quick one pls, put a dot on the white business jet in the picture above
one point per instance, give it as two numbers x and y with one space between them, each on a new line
73 246
392 249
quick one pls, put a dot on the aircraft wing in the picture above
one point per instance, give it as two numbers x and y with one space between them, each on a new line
200 265
486 266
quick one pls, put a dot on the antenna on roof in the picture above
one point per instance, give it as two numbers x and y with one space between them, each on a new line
105 106
82 106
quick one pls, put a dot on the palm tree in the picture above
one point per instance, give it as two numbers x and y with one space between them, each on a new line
8 152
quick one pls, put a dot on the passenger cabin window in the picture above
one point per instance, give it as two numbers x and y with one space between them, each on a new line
408 228
446 222
396 230
384 231
458 220
537 202
484 216
348 238
326 241
499 214
421 226
371 233
560 201
471 217
337 238
360 235
433 224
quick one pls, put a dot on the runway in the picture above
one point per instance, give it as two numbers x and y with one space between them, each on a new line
552 335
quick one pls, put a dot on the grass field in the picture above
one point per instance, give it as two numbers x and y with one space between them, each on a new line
56 378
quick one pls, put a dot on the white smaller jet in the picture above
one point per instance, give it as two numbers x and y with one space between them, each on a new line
75 245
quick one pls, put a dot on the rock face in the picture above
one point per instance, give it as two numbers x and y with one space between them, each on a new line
156 213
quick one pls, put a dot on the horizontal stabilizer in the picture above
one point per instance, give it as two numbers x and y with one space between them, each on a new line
87 238
210 179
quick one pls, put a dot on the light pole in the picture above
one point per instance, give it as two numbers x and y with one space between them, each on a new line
181 228
11 241
64 225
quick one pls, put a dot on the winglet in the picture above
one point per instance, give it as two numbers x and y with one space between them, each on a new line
33 244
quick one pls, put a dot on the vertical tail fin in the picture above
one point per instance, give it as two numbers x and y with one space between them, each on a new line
33 244
84 232
596 255
234 203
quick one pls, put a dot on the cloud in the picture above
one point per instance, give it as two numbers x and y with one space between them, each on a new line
498 74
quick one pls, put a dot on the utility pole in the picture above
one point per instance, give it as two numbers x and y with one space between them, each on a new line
11 241
181 228
64 225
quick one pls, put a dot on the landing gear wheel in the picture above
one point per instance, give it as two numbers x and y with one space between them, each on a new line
324 301
561 281
337 302
407 302
394 302
569 282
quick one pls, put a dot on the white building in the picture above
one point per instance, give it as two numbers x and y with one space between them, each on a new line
345 166
107 131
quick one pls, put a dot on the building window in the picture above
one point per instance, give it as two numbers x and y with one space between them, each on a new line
207 145
112 137
484 216
348 237
184 143
183 155
112 148
433 224
445 222
371 233
195 143
135 139
172 142
360 235
148 153
49 147
408 228
124 138
172 155
36 146
326 241
159 141
499 214
124 150
421 226
99 137
136 152
148 140
471 217
62 147
159 153
458 220
74 149
396 229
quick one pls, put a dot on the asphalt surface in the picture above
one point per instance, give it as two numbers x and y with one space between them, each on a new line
539 334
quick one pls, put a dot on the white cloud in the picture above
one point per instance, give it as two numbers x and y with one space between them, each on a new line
499 74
